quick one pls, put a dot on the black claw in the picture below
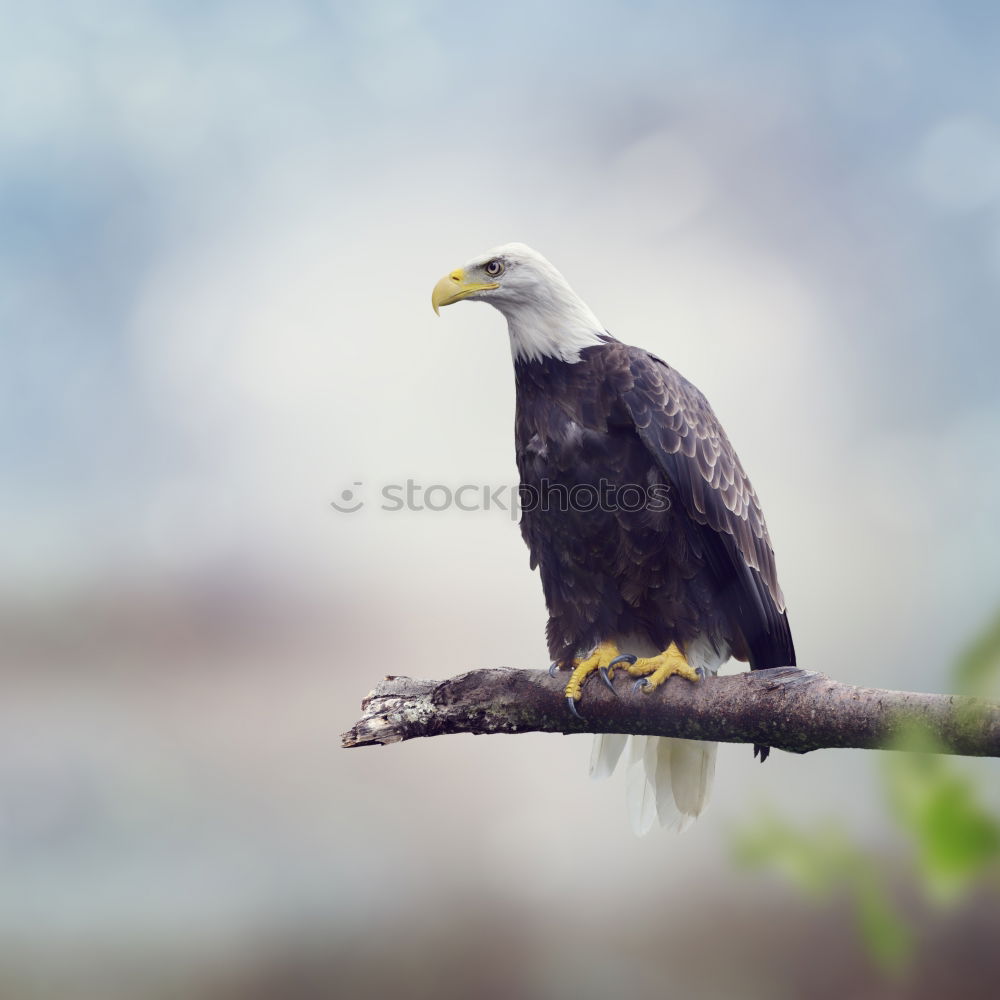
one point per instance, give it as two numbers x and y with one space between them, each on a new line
603 671
640 683
624 658
553 669
571 703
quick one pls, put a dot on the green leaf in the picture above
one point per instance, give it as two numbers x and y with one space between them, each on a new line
888 938
813 862
977 671
955 838
822 861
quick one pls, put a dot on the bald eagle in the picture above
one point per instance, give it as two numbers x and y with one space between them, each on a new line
649 539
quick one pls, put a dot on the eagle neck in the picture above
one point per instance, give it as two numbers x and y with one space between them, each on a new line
553 323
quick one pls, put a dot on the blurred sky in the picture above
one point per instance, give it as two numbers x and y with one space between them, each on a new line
219 228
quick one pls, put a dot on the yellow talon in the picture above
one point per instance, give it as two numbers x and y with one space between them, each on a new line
600 657
656 669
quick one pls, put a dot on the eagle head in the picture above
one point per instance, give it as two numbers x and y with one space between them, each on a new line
501 276
545 317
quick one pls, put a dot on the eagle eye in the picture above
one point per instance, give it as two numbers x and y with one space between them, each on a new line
494 268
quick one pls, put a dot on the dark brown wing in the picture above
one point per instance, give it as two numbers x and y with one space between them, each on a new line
675 422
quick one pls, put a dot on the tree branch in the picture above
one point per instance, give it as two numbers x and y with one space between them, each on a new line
791 709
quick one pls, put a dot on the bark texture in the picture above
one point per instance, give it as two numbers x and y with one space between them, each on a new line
785 707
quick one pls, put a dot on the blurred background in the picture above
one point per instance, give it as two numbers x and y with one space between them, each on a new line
219 227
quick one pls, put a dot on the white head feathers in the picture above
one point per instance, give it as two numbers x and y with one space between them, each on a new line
545 317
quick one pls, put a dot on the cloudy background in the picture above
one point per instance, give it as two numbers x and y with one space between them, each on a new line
219 228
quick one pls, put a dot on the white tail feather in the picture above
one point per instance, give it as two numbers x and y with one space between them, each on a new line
667 810
640 784
684 773
605 753
692 767
666 779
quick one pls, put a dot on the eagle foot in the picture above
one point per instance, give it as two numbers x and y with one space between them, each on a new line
652 671
603 671
601 661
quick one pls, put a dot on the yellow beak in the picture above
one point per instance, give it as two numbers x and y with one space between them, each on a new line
453 287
